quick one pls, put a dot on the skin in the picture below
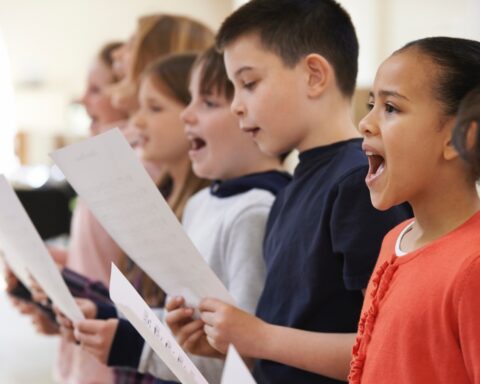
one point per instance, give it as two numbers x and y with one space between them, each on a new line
209 118
407 126
97 100
282 108
291 108
158 122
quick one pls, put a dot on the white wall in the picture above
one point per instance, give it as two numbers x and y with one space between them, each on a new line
51 44
7 115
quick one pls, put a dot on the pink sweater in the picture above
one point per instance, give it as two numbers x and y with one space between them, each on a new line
90 253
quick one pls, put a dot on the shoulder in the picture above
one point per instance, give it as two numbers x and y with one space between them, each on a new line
252 202
199 197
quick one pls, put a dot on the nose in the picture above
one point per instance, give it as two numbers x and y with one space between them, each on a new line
368 125
138 120
237 107
188 115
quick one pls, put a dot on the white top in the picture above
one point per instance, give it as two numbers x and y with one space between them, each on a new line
398 251
228 233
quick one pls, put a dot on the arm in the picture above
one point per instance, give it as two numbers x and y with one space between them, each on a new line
327 354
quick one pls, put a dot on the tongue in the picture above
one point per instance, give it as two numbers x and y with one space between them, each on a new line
379 169
376 164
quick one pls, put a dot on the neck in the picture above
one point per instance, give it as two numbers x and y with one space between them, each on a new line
331 122
178 172
258 164
441 211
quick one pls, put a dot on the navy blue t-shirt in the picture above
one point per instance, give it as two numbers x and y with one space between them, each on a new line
322 241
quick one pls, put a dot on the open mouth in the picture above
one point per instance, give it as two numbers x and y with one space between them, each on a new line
376 167
196 144
376 163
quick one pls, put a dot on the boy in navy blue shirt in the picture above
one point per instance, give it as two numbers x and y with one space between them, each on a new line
293 65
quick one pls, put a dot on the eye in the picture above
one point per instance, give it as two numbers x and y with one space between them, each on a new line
155 108
370 105
390 108
249 85
209 103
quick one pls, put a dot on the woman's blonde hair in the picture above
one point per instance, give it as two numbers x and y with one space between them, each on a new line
155 37
160 35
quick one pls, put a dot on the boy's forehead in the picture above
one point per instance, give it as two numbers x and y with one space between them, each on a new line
247 52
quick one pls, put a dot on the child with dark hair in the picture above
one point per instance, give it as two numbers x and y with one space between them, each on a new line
293 65
226 221
421 316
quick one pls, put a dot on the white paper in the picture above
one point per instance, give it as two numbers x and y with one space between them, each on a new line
235 370
158 337
25 251
17 266
106 173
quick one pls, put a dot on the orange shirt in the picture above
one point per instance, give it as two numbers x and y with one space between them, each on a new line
421 316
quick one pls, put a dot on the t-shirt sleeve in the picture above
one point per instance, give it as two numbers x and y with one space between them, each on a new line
357 228
469 320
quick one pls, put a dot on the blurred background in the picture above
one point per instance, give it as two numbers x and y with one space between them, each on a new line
45 51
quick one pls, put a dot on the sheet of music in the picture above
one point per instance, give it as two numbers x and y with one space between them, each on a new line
158 337
108 176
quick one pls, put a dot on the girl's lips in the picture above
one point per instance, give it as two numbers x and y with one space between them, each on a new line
253 131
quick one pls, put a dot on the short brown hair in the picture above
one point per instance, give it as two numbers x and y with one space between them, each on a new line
213 75
293 29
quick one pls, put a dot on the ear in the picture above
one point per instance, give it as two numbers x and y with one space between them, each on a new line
449 151
319 74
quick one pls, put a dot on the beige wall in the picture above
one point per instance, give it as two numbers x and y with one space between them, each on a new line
51 43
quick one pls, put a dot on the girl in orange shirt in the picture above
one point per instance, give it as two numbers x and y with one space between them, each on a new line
421 316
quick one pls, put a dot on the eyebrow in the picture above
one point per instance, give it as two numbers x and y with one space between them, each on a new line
386 93
239 71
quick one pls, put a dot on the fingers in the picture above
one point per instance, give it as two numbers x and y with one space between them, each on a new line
174 303
38 294
211 305
96 336
190 343
89 327
179 317
88 308
186 331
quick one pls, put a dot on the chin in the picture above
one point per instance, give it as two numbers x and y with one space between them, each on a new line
201 172
270 150
380 203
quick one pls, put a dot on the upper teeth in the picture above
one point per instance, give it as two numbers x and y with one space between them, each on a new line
369 153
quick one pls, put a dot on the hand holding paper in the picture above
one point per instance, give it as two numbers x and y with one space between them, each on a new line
187 330
26 253
226 324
